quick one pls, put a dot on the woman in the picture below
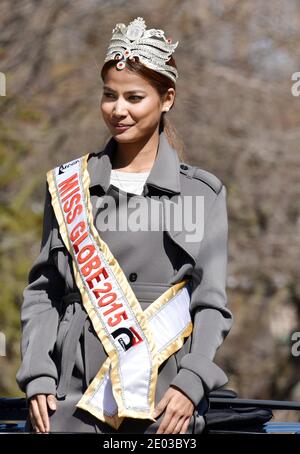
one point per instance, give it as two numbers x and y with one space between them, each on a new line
121 325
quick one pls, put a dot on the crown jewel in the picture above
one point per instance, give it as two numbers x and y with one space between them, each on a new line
151 47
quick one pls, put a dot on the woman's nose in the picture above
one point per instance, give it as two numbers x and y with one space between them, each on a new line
120 108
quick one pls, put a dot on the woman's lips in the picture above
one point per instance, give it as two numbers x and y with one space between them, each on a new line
121 128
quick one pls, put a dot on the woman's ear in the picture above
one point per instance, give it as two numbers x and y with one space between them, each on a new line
169 99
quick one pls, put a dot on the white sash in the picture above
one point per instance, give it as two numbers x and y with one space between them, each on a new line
136 341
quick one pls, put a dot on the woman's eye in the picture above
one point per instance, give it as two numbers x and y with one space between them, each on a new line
135 97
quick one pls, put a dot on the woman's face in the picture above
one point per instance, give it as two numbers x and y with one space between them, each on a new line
129 99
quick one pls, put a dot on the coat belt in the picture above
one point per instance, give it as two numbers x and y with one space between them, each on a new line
68 353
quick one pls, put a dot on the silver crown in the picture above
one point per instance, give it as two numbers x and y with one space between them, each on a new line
151 47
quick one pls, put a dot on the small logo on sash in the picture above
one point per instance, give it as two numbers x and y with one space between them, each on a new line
64 167
127 337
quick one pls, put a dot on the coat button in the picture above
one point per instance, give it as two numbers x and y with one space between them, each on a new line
132 277
183 167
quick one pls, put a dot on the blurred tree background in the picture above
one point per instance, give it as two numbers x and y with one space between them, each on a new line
236 117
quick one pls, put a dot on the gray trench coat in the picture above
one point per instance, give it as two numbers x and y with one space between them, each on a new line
60 350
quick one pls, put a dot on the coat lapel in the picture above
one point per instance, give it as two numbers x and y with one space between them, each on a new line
179 236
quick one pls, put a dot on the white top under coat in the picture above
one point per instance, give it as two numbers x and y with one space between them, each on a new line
132 182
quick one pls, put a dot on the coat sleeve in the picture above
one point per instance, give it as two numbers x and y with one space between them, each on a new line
40 315
198 374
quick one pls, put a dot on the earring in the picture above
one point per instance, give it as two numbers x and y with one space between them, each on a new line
167 109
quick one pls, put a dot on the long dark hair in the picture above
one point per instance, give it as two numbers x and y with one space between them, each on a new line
161 83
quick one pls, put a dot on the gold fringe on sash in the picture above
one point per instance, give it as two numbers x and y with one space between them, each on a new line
142 317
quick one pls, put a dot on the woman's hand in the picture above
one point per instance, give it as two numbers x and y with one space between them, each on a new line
38 411
179 409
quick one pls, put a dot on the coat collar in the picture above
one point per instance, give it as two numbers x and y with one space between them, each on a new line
164 174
